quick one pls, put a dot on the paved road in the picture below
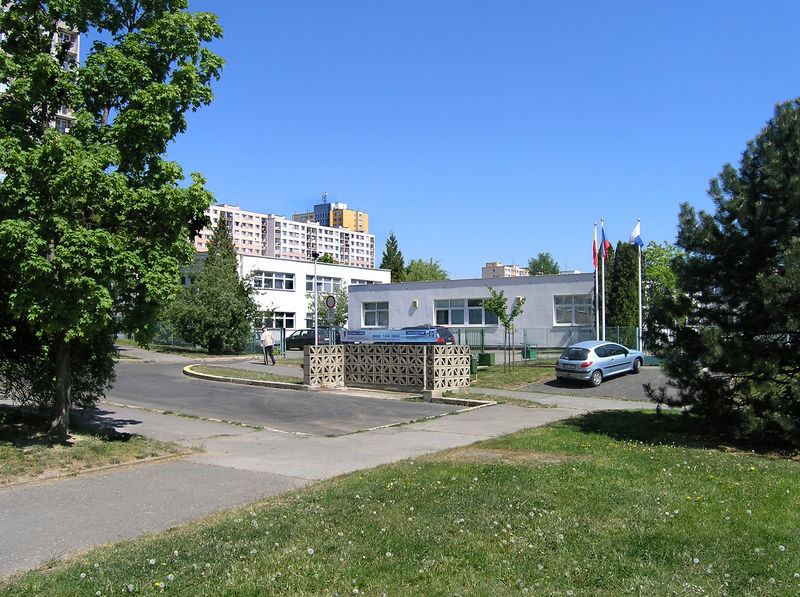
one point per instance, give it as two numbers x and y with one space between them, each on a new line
163 386
627 386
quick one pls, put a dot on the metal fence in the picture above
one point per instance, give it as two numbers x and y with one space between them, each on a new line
548 338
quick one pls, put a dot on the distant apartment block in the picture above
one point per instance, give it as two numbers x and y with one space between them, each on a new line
498 270
268 235
72 41
335 215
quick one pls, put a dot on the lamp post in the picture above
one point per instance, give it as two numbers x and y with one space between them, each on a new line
315 255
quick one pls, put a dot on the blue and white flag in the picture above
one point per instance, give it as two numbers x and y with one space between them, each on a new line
636 236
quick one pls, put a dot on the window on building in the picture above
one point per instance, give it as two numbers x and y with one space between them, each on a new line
573 309
324 284
62 125
376 314
278 319
362 282
462 312
273 281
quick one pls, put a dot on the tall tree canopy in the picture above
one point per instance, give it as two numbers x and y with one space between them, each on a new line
419 270
730 333
544 263
393 259
217 310
94 221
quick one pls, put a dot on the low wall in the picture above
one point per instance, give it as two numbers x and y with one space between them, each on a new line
387 366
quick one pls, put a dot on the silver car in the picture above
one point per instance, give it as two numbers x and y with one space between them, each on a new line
595 360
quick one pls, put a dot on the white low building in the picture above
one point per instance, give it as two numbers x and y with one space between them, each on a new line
558 309
283 286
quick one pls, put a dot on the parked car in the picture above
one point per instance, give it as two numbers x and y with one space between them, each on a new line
443 335
595 360
300 338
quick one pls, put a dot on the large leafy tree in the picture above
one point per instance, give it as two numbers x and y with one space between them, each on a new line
393 259
419 270
658 277
339 311
217 310
730 334
544 263
94 221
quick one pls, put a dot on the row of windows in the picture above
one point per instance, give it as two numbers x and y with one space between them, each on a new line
285 281
571 309
461 311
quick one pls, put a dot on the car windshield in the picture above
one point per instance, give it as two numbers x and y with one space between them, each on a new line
575 354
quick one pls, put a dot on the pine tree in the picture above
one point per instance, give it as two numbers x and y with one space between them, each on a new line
393 259
730 333
217 310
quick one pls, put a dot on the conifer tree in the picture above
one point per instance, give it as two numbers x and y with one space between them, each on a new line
393 259
730 333
217 310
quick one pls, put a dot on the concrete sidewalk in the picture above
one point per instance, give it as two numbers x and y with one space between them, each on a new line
49 520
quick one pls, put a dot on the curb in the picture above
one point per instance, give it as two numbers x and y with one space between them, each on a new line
99 469
188 370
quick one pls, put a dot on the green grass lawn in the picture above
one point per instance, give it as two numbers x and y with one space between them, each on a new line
521 375
244 374
27 453
623 503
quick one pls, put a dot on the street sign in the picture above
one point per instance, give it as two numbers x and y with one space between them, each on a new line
330 301
331 315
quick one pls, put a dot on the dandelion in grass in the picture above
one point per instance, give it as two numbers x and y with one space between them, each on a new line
781 548
388 554
130 588
310 551
152 562
83 575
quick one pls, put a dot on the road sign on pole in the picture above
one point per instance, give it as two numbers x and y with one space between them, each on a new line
330 301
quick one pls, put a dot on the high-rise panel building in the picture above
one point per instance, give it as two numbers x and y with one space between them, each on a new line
336 215
270 235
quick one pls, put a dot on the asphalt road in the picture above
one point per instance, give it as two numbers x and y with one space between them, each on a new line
164 387
628 386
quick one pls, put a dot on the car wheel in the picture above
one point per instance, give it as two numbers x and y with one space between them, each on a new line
637 364
597 378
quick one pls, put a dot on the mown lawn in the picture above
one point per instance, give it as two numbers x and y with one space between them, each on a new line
522 374
623 503
27 453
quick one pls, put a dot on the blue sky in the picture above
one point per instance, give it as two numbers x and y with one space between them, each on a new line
489 131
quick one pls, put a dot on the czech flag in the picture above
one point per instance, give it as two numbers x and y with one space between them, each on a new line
605 243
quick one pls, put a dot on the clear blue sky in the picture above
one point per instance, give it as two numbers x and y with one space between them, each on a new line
489 131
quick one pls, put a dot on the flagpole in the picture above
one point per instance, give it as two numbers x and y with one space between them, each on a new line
641 343
603 276
596 289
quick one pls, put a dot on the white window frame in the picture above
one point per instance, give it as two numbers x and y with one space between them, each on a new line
279 319
375 314
282 281
569 309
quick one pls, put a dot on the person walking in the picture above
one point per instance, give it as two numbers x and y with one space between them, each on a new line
267 345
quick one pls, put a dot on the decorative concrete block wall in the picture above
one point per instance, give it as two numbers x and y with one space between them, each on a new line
387 366
323 366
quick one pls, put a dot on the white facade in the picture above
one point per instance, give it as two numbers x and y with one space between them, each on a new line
498 270
283 285
557 308
269 235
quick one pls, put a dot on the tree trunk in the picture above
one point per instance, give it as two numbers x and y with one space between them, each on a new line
59 426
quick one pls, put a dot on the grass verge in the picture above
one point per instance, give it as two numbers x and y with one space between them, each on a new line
244 374
28 453
521 375
623 503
